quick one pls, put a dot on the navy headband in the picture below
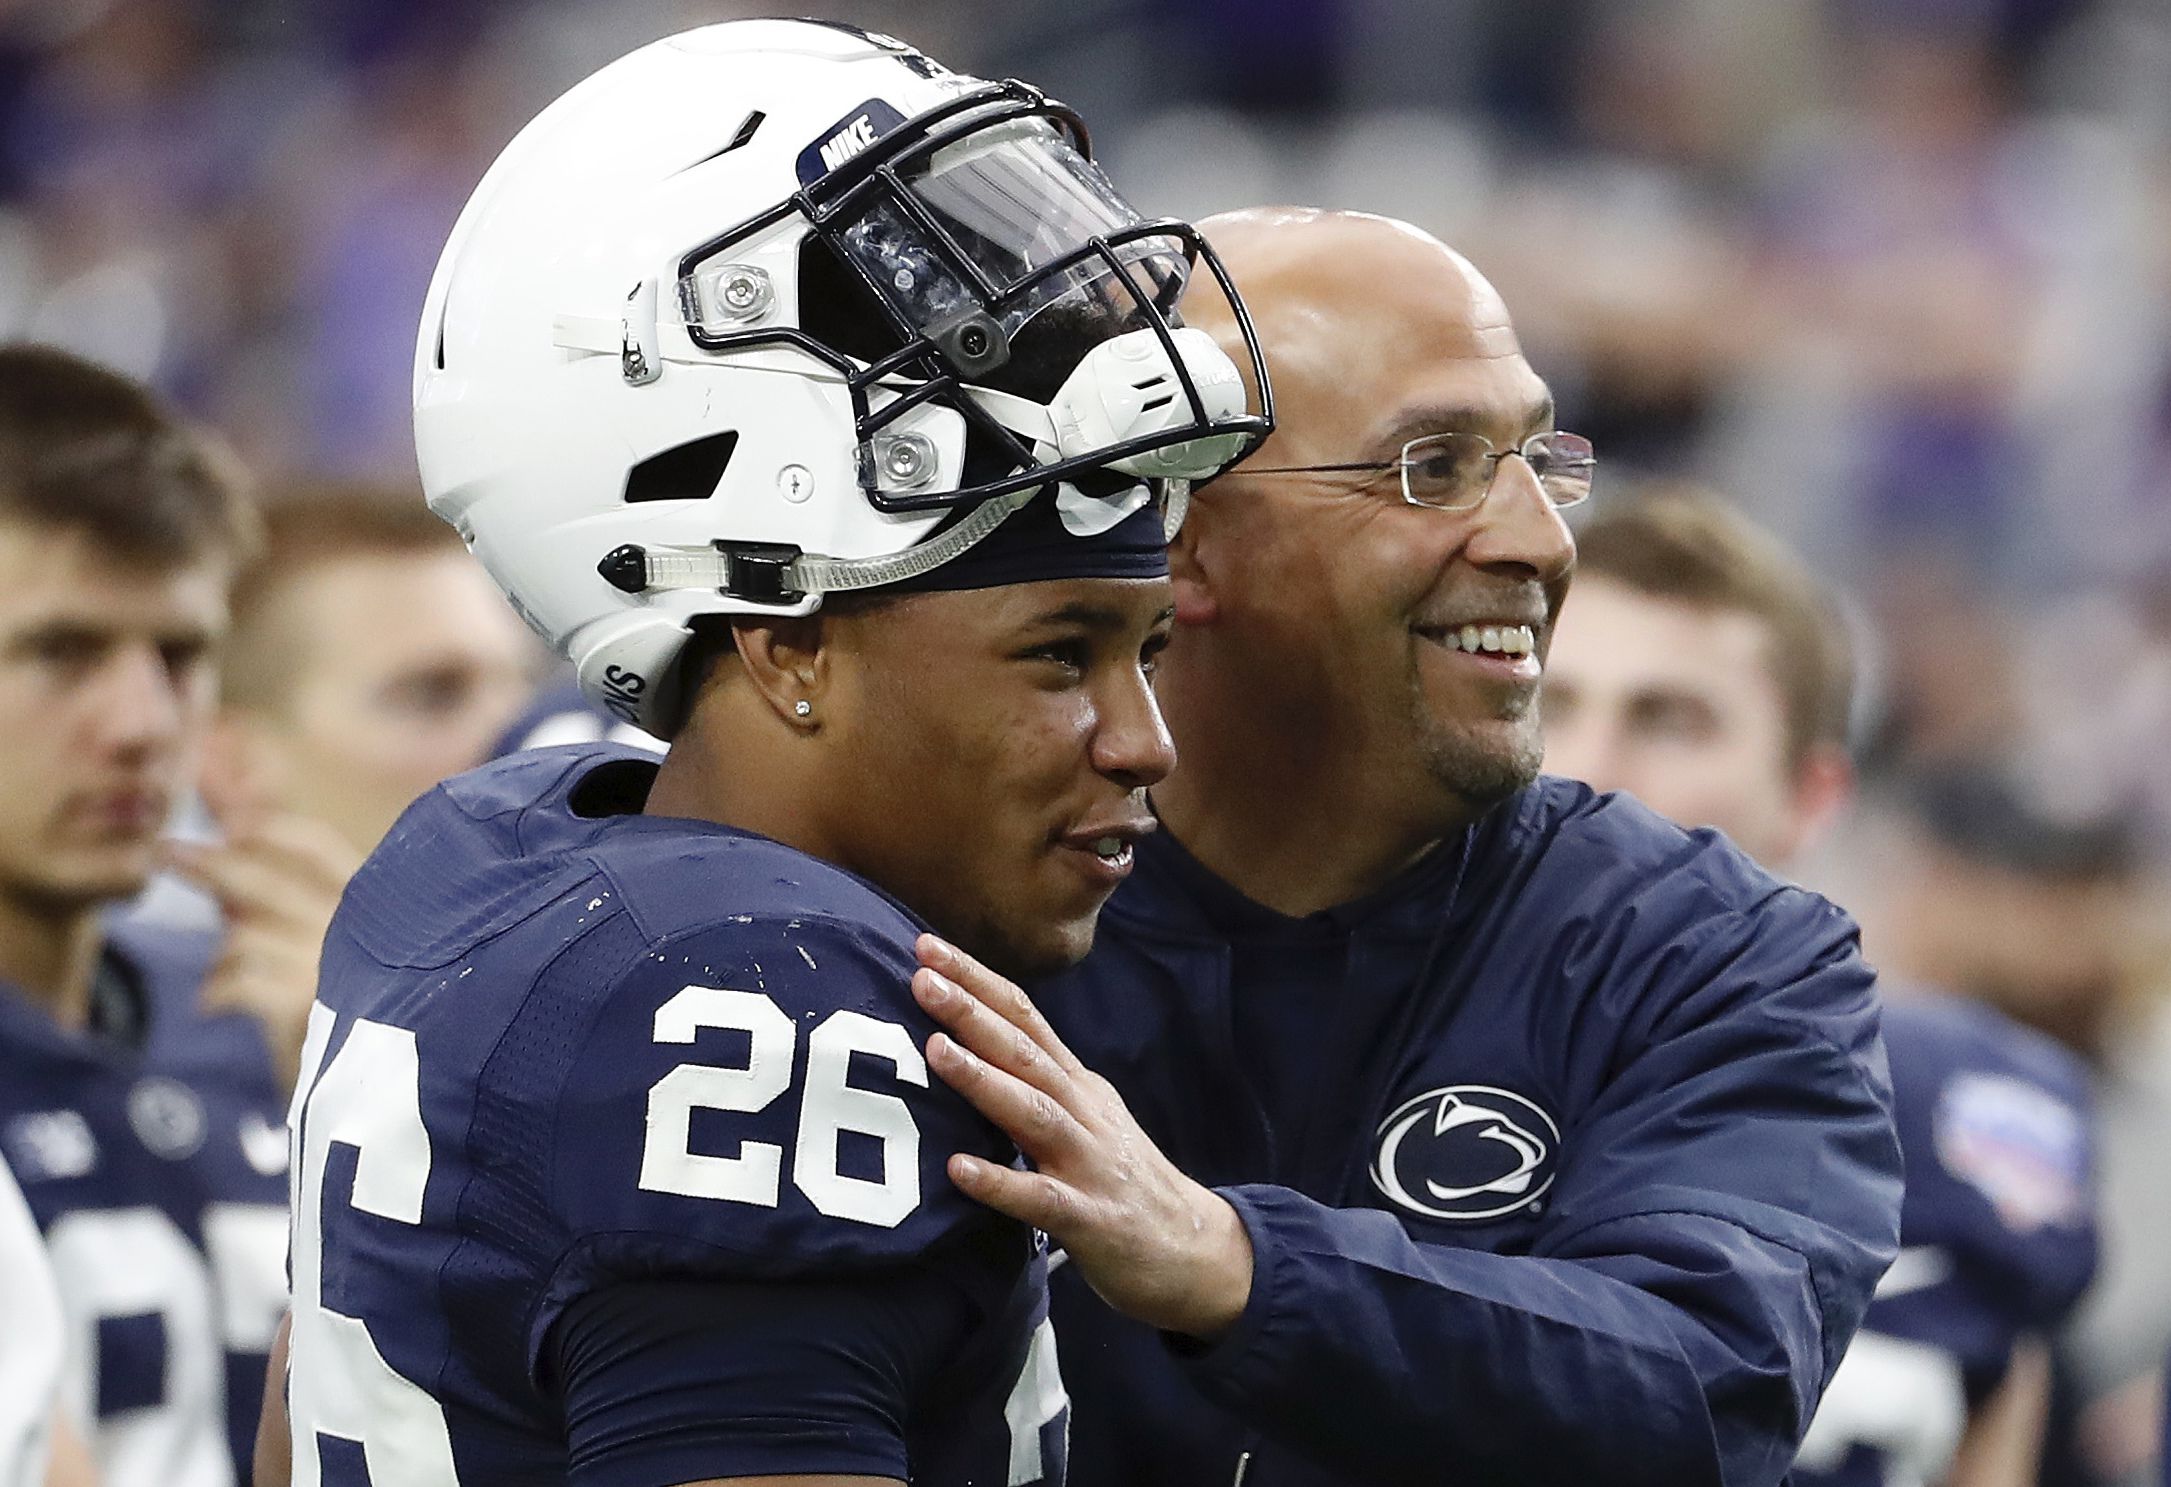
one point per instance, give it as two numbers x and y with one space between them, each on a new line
1039 541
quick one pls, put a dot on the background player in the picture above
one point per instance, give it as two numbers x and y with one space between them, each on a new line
145 1134
368 659
1702 669
618 1158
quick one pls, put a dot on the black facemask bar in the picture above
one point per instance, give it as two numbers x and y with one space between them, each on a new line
930 357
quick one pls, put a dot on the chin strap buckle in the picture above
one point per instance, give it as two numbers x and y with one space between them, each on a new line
763 573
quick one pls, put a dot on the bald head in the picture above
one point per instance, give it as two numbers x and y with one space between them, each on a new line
1329 290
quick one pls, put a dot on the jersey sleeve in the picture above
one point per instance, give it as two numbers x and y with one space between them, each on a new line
677 1381
1999 1227
752 1103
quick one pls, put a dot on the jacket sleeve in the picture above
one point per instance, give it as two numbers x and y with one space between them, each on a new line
1723 1211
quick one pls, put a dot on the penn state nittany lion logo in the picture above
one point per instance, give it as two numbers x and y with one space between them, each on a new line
1468 1151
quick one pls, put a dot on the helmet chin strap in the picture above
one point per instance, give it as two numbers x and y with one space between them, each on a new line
808 573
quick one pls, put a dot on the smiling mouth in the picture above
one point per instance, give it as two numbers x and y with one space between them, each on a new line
1511 642
1110 849
1113 851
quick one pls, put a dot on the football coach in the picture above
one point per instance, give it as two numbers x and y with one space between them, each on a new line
1417 1119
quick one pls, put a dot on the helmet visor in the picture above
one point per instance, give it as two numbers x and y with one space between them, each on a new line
994 225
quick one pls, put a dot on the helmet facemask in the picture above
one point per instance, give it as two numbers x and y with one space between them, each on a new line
976 258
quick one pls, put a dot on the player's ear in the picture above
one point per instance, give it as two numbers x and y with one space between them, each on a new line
1823 788
787 661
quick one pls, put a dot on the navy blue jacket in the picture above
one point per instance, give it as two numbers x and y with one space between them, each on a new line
1568 1157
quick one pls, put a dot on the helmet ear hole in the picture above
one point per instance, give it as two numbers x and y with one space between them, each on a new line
836 306
688 472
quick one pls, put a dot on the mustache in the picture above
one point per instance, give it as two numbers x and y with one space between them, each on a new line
1529 604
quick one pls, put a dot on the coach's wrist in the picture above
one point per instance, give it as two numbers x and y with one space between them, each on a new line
1220 1271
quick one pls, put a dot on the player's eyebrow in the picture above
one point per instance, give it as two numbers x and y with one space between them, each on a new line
1089 615
61 630
87 631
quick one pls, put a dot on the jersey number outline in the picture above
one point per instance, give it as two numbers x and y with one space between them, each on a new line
829 1106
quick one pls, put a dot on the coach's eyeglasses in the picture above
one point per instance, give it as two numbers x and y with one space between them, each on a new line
1454 472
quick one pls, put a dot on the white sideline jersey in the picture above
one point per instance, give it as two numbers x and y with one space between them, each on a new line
30 1344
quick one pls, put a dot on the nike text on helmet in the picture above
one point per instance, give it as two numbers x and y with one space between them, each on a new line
773 309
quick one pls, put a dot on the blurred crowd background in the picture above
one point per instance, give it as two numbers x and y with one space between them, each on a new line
1894 275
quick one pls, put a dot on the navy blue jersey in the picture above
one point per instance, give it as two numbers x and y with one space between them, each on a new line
1998 1239
1567 1157
577 1074
155 1163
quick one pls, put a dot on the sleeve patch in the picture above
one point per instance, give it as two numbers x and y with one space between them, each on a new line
2020 1146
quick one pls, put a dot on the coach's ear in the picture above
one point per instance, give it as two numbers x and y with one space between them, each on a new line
1195 601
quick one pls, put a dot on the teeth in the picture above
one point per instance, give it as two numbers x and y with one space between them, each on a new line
1506 640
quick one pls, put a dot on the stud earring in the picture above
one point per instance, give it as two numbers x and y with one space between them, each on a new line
802 709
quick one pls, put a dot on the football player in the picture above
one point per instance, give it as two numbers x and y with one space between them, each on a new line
368 659
827 410
145 1133
1701 668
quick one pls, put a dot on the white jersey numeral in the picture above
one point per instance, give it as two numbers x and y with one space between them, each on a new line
668 1165
832 1106
369 1098
122 1262
828 1107
1035 1400
227 1297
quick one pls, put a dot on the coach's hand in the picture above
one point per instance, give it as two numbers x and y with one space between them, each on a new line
1156 1245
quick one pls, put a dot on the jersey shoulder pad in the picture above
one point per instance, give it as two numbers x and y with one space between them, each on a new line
482 853
680 878
750 1099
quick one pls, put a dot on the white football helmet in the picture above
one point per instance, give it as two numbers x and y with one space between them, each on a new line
777 308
